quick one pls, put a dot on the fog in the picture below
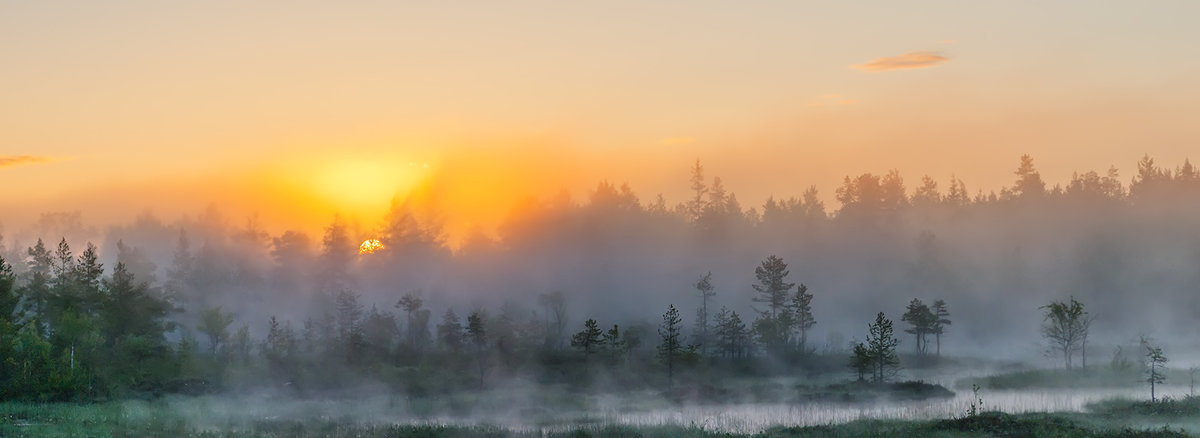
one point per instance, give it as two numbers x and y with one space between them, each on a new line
1132 258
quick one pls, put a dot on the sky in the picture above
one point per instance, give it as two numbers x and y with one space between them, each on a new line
299 110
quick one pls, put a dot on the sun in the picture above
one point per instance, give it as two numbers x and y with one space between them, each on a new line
369 246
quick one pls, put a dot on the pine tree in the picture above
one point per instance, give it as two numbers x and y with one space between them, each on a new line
348 320
701 332
940 321
614 343
695 206
179 275
337 253
36 291
411 303
732 334
590 339
450 331
881 345
1156 363
772 287
477 334
922 320
861 361
802 309
88 274
670 347
1029 181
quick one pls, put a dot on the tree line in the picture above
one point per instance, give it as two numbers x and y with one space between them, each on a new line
73 331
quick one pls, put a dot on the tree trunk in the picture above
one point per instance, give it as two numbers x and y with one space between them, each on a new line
670 371
938 338
1083 354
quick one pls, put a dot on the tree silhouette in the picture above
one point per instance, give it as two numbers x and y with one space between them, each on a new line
215 325
590 339
1029 182
861 361
450 331
881 347
1065 326
803 320
616 346
701 334
940 321
922 322
1156 363
670 347
772 286
477 334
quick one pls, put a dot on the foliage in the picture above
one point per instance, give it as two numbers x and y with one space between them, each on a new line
701 332
670 348
772 286
881 348
1156 362
1066 327
590 339
922 321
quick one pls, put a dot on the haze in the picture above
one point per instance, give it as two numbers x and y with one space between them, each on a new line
256 107
503 172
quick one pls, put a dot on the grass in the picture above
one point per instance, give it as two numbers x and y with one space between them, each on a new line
862 391
137 419
1166 407
1095 377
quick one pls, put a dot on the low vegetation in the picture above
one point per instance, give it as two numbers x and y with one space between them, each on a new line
153 419
1188 406
1094 377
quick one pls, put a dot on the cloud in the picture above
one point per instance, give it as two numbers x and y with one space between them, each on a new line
910 60
17 160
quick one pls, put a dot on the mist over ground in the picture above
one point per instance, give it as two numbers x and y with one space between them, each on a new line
1130 252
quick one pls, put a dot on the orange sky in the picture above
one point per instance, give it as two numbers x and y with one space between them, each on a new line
298 110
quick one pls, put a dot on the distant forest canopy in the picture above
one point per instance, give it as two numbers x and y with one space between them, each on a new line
1130 251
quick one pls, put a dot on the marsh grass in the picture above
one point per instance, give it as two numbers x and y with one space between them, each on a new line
1093 377
124 419
1188 406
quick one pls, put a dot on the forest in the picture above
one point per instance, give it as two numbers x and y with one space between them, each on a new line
612 293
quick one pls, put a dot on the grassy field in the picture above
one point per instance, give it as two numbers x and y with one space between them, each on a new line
125 419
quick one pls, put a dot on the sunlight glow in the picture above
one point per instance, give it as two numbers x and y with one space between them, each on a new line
367 186
369 246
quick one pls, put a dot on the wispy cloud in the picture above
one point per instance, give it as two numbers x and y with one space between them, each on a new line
17 160
910 60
